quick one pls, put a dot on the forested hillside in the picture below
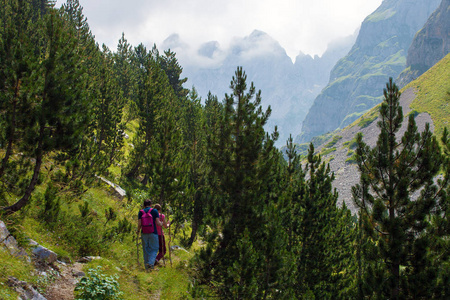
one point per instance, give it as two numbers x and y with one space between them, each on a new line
246 223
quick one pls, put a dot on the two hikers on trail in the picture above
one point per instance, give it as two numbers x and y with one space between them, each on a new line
148 222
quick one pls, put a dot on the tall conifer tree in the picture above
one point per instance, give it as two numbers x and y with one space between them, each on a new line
236 156
326 235
17 59
57 116
195 144
400 198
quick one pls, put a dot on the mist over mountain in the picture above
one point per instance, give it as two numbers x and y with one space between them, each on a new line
288 87
357 80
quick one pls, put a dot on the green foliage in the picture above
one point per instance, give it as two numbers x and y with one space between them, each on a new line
240 154
84 209
352 144
394 221
45 280
51 206
367 119
319 140
324 263
269 227
351 157
327 151
97 286
110 214
333 142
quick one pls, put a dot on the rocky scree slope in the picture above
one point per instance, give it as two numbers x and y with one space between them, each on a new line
426 96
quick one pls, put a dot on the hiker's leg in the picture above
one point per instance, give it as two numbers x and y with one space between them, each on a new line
160 251
145 246
154 247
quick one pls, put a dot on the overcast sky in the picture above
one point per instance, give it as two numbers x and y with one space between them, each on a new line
298 25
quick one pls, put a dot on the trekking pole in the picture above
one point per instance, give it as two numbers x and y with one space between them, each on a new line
137 250
164 245
170 240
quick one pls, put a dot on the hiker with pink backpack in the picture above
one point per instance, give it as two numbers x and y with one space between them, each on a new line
148 220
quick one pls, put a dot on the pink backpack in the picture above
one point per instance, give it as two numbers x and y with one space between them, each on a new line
147 221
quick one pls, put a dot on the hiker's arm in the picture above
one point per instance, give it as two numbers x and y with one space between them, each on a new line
165 223
139 226
158 222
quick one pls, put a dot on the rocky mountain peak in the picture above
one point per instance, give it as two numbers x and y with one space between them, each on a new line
379 52
429 46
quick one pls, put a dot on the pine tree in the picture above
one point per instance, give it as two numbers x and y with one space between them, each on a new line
173 70
126 77
16 64
147 100
195 143
439 228
235 157
394 171
165 164
57 117
326 235
103 143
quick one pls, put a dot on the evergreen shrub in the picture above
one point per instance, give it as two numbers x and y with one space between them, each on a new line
98 286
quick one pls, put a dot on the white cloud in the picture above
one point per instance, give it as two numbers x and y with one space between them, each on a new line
298 25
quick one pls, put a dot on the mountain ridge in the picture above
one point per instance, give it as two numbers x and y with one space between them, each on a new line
378 53
430 44
288 87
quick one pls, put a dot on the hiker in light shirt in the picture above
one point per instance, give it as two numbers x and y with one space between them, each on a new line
162 241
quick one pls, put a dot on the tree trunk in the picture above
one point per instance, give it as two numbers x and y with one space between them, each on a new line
194 232
145 180
37 168
133 172
11 131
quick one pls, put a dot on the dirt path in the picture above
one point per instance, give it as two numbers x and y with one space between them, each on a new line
63 287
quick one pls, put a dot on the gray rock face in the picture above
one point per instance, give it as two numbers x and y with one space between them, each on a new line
25 290
9 242
45 255
430 45
357 80
4 232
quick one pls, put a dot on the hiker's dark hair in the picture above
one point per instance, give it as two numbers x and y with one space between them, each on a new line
147 202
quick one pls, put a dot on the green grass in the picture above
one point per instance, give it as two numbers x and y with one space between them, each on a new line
170 282
327 151
432 90
351 145
15 267
380 16
368 118
333 142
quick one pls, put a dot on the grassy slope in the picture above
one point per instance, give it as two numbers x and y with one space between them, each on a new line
432 90
169 282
